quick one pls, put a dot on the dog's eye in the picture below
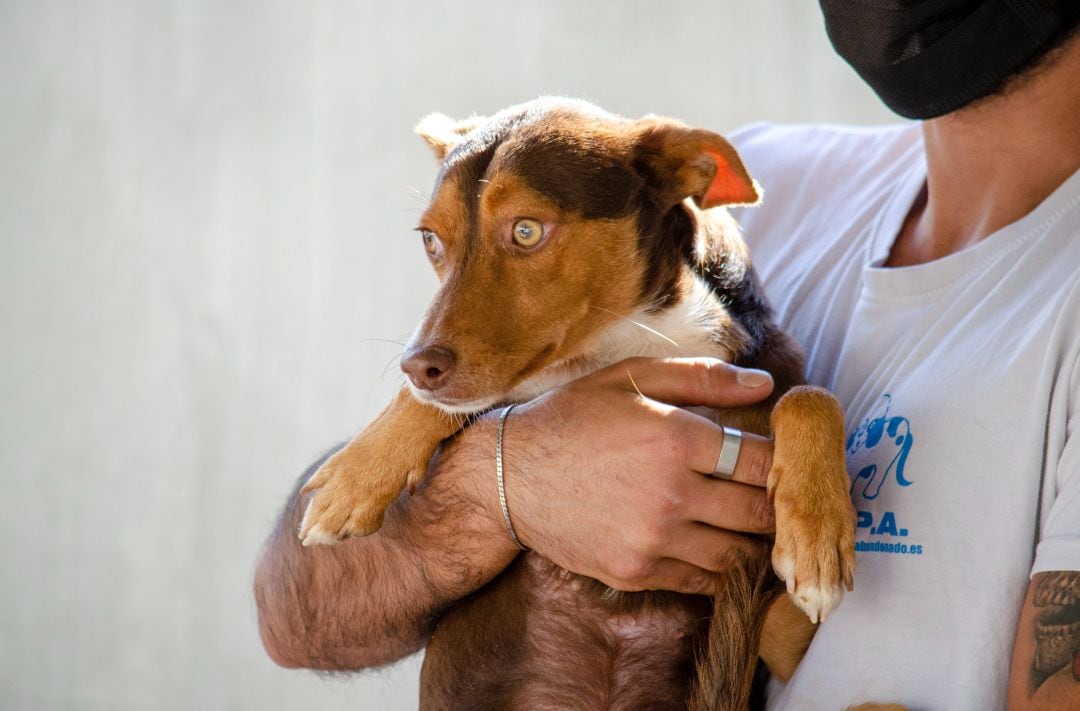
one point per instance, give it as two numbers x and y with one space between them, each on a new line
528 232
431 242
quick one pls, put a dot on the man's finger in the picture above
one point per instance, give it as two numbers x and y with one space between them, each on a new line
671 574
682 577
730 506
690 381
712 549
705 442
698 557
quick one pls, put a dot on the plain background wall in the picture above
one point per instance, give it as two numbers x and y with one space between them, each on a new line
206 256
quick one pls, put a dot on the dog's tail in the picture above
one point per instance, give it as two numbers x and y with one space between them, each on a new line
727 665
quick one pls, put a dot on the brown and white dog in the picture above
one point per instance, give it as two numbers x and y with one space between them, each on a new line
565 240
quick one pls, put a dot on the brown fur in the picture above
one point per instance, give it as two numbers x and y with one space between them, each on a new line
621 238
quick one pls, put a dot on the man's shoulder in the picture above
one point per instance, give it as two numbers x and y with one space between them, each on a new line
823 182
824 140
826 157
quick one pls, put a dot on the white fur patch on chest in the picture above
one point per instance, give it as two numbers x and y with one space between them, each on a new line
694 326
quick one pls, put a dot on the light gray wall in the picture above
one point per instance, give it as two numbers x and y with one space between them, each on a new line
206 258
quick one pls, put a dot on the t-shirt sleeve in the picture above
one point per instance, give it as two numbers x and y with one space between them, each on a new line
1059 544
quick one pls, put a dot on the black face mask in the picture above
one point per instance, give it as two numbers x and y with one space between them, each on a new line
925 58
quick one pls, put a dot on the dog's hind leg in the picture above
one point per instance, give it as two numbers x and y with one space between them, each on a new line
785 637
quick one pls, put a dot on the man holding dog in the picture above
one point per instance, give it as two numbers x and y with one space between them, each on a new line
932 273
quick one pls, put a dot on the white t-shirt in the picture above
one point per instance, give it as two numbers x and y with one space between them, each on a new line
962 391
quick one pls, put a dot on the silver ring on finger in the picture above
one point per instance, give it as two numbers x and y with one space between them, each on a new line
729 454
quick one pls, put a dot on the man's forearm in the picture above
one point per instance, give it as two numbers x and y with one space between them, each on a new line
1046 655
371 601
599 480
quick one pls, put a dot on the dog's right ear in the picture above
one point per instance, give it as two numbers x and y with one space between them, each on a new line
443 133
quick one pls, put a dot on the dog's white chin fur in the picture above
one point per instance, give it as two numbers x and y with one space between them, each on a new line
456 407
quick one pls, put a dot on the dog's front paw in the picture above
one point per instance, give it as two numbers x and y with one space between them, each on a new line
814 553
352 491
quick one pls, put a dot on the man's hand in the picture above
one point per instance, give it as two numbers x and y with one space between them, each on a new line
606 476
602 479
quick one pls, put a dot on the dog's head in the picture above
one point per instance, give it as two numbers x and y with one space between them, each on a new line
549 222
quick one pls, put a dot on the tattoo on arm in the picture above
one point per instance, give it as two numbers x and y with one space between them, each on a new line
1057 626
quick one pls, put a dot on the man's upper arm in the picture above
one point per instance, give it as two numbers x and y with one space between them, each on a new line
1045 669
1046 657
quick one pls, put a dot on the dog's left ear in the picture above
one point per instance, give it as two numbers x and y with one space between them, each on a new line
695 163
443 133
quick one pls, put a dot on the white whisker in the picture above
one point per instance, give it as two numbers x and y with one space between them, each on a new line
636 323
416 191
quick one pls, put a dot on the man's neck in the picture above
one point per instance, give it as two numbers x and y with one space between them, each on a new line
990 164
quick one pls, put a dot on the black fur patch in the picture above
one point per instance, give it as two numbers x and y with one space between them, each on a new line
666 241
564 168
667 244
558 162
737 286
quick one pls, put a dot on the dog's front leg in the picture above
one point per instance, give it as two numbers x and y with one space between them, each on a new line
814 551
355 486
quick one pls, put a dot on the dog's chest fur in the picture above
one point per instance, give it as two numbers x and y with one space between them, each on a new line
641 646
553 640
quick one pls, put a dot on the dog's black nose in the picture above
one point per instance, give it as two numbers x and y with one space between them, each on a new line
428 368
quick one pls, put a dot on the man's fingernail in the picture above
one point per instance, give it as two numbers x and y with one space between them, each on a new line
752 378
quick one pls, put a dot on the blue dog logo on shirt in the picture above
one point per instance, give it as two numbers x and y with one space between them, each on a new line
881 431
